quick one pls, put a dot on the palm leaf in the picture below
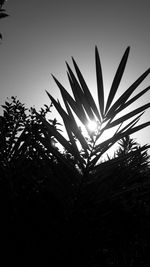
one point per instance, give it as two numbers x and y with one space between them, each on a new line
131 124
76 131
69 125
132 100
123 98
100 87
119 136
138 128
77 91
86 91
105 145
79 95
70 122
129 115
73 104
117 79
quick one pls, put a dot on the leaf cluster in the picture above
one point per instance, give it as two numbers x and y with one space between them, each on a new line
87 152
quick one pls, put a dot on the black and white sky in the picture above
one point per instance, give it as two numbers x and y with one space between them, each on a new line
39 36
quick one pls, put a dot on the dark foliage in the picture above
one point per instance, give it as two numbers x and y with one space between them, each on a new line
51 215
66 207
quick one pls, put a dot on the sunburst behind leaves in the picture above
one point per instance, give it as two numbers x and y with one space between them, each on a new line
83 106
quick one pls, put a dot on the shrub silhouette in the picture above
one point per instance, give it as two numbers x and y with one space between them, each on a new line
68 206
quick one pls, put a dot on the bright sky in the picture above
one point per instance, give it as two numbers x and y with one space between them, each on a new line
39 36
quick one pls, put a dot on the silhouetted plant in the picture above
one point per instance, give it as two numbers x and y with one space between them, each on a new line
85 109
99 200
19 127
127 144
91 210
21 152
139 160
12 123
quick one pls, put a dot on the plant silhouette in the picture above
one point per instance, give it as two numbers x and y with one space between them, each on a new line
84 107
69 207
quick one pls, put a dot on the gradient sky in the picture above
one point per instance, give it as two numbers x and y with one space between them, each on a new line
39 36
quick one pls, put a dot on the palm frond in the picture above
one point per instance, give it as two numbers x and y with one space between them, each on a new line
117 79
70 122
85 108
105 145
124 97
129 115
86 91
132 100
71 127
100 87
79 111
79 94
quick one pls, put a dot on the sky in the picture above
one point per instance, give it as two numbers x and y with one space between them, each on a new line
39 36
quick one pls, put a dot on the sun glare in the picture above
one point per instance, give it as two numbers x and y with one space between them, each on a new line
92 126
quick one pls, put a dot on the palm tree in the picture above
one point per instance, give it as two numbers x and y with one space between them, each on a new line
85 109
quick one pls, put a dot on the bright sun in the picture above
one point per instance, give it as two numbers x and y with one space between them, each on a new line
92 126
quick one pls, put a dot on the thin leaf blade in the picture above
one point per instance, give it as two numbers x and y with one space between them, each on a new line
100 87
124 97
133 99
79 95
117 79
129 115
74 105
86 90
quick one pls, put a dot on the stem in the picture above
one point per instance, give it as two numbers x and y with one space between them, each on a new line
89 158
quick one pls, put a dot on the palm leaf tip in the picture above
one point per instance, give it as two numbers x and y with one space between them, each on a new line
117 78
122 102
100 87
